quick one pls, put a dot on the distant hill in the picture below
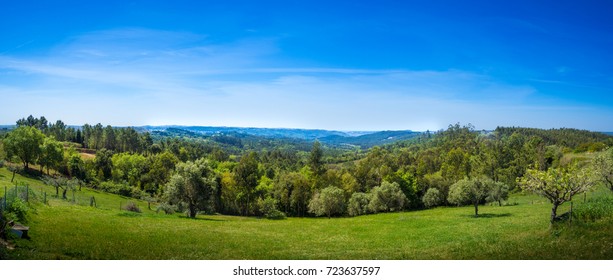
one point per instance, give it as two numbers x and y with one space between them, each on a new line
371 139
360 139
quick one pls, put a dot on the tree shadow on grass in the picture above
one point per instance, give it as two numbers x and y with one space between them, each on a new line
489 215
203 219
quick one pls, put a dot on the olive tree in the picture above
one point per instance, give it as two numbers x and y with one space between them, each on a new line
330 201
603 168
470 191
558 185
498 193
358 204
193 184
432 198
387 198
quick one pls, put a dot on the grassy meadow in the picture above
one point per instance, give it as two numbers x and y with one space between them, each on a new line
66 229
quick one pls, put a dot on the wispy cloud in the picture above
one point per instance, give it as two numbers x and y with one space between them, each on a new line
140 76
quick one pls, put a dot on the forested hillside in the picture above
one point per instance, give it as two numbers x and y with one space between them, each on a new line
243 174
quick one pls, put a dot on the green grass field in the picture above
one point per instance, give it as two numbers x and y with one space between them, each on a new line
74 230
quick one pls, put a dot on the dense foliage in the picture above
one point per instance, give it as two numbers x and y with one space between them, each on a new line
272 177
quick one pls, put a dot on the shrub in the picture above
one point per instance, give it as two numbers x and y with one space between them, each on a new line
276 215
167 208
268 208
387 198
594 209
132 207
16 207
432 198
330 201
498 193
358 204
116 188
16 210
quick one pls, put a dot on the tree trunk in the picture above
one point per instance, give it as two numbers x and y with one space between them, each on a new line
64 193
554 211
12 178
192 210
499 202
477 209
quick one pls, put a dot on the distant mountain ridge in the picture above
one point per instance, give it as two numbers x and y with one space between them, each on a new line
363 139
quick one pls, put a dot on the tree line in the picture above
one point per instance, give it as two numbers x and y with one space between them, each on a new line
455 166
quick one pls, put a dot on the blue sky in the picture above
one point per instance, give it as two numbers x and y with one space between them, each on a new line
346 65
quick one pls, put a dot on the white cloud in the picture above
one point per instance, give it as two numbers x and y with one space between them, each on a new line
138 76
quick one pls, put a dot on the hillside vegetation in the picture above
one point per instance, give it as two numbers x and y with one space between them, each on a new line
66 230
147 184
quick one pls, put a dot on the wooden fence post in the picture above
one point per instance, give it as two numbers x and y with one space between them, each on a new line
570 219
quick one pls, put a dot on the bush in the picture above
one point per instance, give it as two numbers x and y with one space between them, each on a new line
167 208
16 207
432 198
268 208
594 209
387 198
16 210
358 204
276 215
330 201
132 207
116 188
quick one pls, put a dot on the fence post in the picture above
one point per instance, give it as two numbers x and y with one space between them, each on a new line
570 219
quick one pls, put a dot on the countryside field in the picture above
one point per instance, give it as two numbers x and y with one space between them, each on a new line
64 229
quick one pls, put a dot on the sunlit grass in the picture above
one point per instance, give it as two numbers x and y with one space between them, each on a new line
66 230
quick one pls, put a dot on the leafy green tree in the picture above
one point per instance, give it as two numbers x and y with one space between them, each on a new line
193 184
268 208
432 198
75 165
129 168
52 154
456 165
329 201
109 139
161 167
387 198
349 183
472 191
104 163
499 193
558 185
358 204
316 163
603 168
246 176
24 142
293 191
39 123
